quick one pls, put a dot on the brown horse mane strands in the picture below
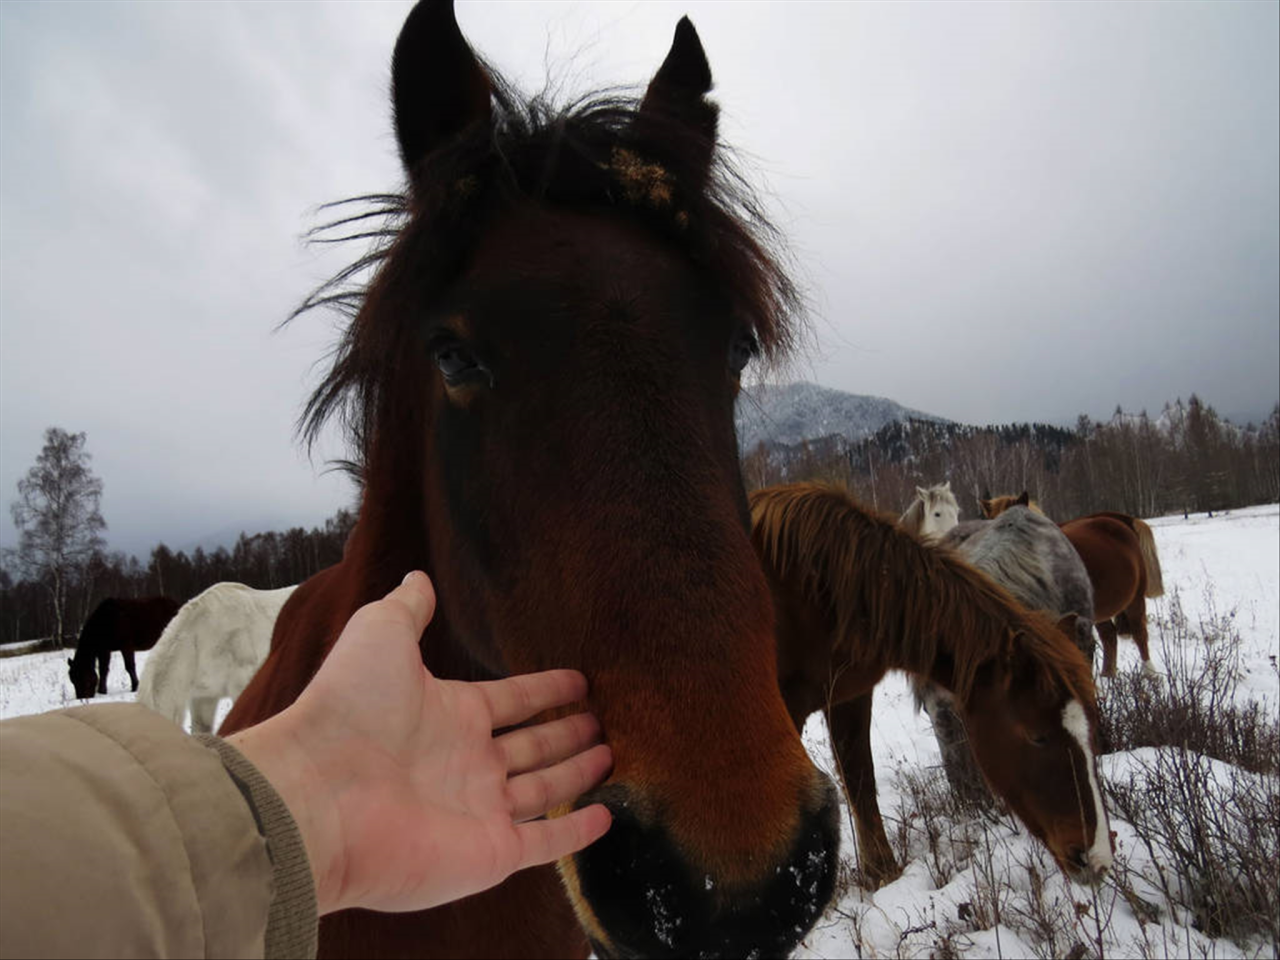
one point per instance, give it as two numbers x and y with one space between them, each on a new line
592 155
893 599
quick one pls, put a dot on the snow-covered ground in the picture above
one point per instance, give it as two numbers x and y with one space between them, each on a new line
1224 568
1220 569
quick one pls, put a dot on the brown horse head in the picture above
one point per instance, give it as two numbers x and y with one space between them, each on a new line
1032 716
994 506
541 378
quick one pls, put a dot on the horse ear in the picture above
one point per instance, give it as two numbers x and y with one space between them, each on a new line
947 486
985 507
677 94
438 87
920 492
1024 499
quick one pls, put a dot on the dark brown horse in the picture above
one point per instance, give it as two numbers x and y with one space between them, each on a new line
117 623
1119 553
540 378
856 596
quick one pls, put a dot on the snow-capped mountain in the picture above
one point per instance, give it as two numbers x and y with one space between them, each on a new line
786 414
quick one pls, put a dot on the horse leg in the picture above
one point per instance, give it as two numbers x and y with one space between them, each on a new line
1107 631
850 726
127 655
1136 615
966 780
104 661
203 712
1085 638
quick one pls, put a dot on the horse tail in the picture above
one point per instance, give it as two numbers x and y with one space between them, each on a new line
1150 559
165 684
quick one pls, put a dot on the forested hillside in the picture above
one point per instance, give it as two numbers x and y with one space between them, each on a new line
1186 460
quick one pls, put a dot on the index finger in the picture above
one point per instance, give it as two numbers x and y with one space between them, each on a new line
514 699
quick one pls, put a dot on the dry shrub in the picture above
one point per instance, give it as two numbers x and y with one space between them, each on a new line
1206 801
1194 705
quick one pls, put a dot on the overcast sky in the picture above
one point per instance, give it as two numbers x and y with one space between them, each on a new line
1001 212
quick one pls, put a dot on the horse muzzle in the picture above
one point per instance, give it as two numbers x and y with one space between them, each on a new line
639 895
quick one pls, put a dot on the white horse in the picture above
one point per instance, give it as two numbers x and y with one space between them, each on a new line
932 513
211 649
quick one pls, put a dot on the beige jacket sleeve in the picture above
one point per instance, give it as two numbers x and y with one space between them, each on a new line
120 836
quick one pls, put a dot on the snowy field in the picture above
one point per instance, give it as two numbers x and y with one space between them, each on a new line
1224 569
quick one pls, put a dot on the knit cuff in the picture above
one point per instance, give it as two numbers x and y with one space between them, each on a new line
291 921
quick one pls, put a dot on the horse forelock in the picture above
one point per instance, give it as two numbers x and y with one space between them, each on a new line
585 155
940 495
904 599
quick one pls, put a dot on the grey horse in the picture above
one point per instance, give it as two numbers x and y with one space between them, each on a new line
1026 553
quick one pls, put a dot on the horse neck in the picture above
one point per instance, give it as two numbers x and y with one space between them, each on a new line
86 648
83 653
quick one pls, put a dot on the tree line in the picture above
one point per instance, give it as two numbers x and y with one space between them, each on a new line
1187 460
60 569
260 560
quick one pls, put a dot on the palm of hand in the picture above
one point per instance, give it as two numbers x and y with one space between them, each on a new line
428 805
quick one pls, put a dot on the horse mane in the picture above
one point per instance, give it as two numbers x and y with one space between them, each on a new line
895 600
590 154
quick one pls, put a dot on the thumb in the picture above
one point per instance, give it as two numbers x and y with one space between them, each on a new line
418 595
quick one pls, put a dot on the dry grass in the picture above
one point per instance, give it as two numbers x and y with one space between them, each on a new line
1199 797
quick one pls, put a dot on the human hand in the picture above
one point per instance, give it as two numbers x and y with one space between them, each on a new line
404 797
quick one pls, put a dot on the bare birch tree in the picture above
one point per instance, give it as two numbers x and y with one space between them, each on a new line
58 518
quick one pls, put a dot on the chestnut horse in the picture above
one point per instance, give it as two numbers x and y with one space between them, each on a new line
1119 553
540 381
855 596
117 623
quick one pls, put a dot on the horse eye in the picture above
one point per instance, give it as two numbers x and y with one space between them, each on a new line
460 366
1039 741
745 346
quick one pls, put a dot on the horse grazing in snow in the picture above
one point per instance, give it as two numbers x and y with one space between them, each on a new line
932 513
117 623
856 596
211 649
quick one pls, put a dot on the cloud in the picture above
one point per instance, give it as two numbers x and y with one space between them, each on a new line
1002 211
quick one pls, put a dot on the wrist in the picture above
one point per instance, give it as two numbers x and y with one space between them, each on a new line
279 754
